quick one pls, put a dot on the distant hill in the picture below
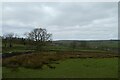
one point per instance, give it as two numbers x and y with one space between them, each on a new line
90 43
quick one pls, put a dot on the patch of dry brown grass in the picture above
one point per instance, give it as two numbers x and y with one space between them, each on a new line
38 60
34 60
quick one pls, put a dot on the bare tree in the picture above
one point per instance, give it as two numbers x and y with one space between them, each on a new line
39 36
9 37
4 40
16 36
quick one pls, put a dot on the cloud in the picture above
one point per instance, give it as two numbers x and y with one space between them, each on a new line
97 20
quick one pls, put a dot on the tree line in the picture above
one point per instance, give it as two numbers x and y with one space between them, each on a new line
38 37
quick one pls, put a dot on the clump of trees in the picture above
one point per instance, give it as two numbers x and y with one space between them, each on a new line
8 39
38 38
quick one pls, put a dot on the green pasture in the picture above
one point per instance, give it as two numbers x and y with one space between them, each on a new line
70 68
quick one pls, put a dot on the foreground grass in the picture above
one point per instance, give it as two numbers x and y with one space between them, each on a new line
70 68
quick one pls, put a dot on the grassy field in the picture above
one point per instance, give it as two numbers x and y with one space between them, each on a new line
70 68
102 45
97 60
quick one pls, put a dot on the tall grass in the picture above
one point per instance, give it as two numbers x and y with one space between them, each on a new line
35 60
38 60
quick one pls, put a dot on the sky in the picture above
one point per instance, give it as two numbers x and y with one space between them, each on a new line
65 20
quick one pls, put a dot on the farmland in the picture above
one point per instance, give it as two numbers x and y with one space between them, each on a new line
61 61
59 40
65 45
70 68
27 58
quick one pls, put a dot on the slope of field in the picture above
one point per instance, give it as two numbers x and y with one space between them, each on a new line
70 68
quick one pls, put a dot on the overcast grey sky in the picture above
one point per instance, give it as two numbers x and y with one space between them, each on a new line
66 21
